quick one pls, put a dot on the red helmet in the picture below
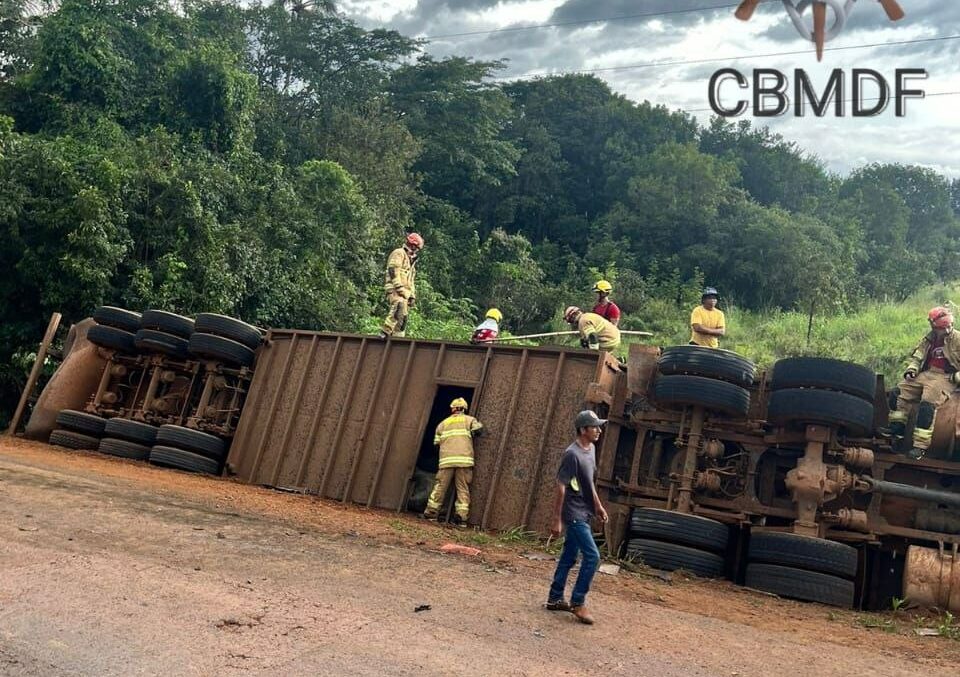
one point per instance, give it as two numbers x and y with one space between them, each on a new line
570 313
940 318
414 240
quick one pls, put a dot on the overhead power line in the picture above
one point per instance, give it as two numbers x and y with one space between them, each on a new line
845 101
584 22
739 57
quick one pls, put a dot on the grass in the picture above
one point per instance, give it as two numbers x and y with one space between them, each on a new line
877 335
879 622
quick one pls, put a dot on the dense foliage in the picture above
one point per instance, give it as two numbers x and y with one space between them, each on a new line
258 161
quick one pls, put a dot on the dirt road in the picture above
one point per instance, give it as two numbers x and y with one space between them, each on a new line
115 568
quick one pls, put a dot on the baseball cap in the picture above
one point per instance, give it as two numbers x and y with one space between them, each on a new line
586 419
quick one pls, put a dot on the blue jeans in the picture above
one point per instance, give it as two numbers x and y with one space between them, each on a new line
579 539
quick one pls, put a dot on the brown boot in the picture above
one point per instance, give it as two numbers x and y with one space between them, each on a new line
582 614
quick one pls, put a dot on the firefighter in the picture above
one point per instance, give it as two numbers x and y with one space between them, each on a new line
399 285
707 323
930 377
489 329
604 307
595 332
454 436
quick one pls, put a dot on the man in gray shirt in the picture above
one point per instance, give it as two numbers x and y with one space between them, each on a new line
577 503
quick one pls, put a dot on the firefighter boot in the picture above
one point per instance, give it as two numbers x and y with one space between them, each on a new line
923 430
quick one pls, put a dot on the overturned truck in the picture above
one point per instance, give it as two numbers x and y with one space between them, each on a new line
782 481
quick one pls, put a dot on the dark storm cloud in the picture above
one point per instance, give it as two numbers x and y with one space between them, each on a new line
673 11
866 16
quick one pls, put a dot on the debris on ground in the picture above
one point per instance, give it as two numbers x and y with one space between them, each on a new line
927 632
538 556
610 569
422 607
457 549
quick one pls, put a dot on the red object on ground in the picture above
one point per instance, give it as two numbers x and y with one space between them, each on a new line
457 549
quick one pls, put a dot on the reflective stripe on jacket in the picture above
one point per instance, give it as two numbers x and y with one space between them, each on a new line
455 437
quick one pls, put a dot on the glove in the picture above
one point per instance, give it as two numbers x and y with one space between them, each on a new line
910 374
412 301
584 343
592 342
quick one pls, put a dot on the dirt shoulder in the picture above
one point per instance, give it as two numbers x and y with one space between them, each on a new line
116 567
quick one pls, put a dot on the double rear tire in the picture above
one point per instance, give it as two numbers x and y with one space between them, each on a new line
669 540
821 390
801 567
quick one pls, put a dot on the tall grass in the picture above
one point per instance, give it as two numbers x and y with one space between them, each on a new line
877 335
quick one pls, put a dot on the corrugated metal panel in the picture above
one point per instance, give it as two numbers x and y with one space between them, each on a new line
343 417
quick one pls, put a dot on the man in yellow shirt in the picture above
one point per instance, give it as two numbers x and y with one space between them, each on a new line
706 321
595 332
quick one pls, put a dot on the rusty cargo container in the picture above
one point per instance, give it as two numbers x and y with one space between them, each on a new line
346 417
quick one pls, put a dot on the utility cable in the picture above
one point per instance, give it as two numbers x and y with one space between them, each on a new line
740 57
830 102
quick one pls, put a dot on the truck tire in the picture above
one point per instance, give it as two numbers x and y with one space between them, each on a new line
123 449
118 318
153 341
679 528
670 557
81 422
72 440
113 338
169 323
131 431
220 349
183 460
821 406
710 362
827 374
194 441
705 392
229 327
809 586
803 552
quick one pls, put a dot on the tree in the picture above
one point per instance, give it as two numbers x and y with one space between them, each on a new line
459 116
772 170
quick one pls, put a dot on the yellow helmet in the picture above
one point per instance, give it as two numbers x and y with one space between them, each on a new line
494 314
459 403
603 286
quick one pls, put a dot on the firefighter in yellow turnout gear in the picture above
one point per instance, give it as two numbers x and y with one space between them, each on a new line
454 436
931 377
400 285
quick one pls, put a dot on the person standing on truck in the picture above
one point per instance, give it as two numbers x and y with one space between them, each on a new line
454 436
931 376
606 308
576 504
399 285
489 329
595 332
707 323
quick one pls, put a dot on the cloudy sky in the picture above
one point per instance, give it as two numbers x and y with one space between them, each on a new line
619 40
